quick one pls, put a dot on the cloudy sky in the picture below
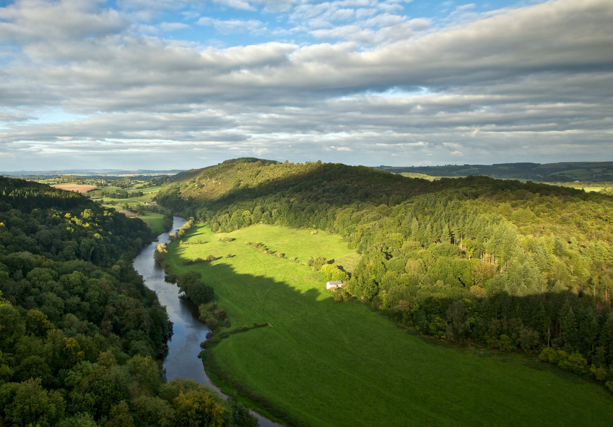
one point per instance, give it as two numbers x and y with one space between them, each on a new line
162 84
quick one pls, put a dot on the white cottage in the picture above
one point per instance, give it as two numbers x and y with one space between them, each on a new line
334 284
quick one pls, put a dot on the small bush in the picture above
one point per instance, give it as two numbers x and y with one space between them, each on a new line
549 355
220 313
210 258
598 372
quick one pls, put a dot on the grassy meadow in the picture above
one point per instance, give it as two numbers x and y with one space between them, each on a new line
148 194
341 364
155 221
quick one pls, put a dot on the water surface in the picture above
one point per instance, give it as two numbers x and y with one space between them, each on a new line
188 332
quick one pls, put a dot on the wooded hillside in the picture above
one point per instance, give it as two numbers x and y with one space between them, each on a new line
513 265
81 337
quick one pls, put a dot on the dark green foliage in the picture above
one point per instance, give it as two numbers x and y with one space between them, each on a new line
195 289
81 337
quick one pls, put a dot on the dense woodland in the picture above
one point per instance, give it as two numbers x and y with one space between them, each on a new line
512 266
81 337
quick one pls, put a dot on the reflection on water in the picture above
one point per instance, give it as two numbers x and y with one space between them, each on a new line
188 332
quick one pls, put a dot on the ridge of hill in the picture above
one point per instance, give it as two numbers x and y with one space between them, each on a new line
546 172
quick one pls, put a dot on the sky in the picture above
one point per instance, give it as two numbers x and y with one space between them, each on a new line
179 84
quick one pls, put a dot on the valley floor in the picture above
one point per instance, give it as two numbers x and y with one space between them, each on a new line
341 364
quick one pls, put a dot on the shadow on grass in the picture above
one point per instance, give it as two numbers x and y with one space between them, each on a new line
293 309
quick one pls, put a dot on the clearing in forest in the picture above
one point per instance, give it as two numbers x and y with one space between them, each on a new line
342 364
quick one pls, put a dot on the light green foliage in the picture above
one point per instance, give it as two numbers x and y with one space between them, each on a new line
599 373
196 408
29 403
321 360
332 272
160 252
78 420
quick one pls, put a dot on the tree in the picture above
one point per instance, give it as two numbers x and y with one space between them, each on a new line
240 415
160 252
456 322
11 326
120 416
37 323
145 370
33 405
196 408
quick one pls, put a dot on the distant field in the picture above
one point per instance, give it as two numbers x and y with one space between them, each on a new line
420 176
75 187
341 364
149 194
587 186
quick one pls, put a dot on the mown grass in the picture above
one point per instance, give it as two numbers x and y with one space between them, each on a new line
155 221
341 364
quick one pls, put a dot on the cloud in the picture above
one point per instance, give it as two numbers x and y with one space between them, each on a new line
539 77
173 26
232 26
39 20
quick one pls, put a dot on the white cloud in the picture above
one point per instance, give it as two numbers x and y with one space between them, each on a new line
233 25
173 26
539 74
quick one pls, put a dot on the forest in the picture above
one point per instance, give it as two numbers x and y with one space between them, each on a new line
518 267
81 337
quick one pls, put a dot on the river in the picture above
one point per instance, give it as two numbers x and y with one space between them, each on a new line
188 332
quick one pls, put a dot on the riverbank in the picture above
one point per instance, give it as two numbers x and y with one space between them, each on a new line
182 359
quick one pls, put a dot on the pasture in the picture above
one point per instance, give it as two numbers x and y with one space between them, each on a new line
342 364
155 221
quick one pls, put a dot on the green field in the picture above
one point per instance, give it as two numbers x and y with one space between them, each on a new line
155 221
341 364
148 194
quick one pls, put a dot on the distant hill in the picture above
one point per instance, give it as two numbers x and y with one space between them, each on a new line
547 172
89 172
